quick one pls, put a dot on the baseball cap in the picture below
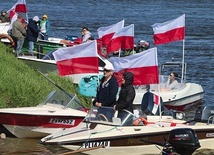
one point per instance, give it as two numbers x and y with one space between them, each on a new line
45 16
109 66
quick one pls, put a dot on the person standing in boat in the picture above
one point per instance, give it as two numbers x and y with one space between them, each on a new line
18 33
4 17
86 35
172 82
32 33
126 98
44 27
106 93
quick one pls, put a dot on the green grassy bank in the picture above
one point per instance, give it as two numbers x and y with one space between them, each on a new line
21 85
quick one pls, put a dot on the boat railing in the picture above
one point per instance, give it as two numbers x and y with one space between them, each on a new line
210 120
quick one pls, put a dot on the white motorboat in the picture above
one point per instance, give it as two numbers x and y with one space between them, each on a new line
180 99
59 110
120 137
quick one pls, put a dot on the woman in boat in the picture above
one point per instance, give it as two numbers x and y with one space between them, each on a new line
172 83
126 98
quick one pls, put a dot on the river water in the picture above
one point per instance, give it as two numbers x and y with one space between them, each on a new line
68 17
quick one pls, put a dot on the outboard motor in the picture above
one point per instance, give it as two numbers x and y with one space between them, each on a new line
203 113
184 140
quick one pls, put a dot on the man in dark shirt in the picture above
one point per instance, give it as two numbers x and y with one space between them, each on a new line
106 93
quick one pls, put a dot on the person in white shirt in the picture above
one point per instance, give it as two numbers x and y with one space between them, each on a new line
172 83
86 35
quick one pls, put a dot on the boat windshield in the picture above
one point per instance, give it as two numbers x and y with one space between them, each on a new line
63 99
120 118
162 84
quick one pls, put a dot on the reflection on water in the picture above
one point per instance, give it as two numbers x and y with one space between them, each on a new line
16 146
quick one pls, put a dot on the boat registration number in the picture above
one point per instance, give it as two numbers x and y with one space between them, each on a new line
62 121
96 144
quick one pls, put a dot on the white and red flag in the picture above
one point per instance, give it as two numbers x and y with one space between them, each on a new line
143 65
20 6
78 59
169 31
123 39
156 102
106 33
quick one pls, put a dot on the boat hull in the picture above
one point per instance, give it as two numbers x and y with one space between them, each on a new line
36 126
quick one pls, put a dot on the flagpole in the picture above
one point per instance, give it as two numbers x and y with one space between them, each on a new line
182 76
159 105
26 13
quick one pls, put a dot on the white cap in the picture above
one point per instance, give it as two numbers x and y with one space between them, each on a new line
109 66
36 18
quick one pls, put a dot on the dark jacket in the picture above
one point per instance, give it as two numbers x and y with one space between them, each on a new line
107 94
32 31
127 93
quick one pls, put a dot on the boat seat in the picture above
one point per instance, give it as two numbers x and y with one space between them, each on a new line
147 104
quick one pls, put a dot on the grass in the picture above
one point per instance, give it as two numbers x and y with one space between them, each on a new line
22 86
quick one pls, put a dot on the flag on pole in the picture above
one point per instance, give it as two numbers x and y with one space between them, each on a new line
143 65
20 6
169 31
123 39
13 16
106 33
156 101
78 59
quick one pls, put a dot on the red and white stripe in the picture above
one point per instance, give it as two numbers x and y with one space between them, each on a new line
169 31
123 39
77 59
106 33
143 65
156 100
20 6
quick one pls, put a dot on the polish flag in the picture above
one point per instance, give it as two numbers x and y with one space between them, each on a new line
143 65
77 59
156 102
123 39
169 31
106 33
20 6
13 16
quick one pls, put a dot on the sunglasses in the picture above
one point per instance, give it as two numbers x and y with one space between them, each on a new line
105 70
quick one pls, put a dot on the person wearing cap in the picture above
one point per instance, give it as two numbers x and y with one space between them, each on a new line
32 33
126 98
44 27
4 17
106 93
18 34
86 35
